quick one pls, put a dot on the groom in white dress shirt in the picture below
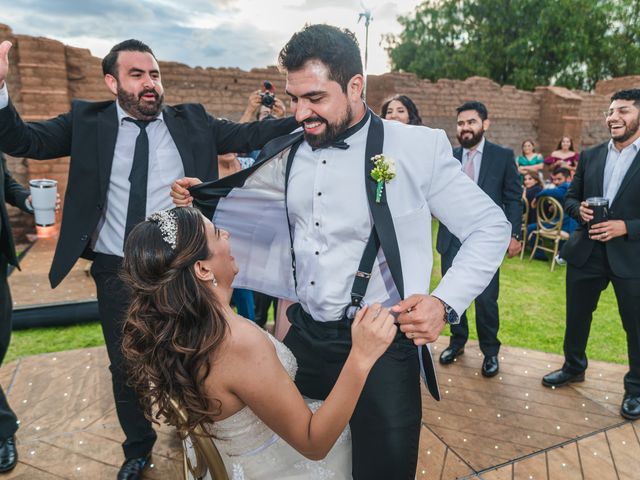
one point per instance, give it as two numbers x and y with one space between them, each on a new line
332 209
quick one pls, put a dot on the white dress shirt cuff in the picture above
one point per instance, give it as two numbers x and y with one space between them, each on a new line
4 96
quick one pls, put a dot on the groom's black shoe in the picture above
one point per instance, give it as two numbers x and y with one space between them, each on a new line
490 366
630 408
449 354
560 377
8 454
134 468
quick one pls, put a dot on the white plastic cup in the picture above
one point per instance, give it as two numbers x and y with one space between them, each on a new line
43 200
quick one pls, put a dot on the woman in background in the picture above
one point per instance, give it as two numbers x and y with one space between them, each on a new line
402 109
529 160
563 156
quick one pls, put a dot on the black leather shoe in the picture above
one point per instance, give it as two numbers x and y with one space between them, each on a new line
490 366
449 354
630 408
8 454
560 377
133 468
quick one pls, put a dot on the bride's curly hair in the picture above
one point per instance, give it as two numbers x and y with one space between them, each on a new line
174 323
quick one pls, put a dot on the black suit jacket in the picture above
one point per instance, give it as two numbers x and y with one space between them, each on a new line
623 252
88 134
499 179
14 193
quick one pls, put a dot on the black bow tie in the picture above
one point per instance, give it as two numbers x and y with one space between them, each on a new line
341 144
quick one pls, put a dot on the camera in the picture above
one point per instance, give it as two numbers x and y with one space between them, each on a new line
268 94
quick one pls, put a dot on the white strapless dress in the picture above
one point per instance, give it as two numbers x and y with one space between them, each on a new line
252 451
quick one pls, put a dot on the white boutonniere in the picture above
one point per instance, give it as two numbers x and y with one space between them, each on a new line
384 171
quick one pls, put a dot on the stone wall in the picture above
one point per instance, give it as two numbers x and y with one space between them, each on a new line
45 75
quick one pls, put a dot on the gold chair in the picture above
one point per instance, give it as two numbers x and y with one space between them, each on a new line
208 462
548 227
523 231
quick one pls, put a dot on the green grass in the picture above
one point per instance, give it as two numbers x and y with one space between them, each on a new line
532 311
532 315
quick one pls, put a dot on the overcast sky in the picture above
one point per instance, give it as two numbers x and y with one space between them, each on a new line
208 33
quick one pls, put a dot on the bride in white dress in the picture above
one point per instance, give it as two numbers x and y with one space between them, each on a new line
183 340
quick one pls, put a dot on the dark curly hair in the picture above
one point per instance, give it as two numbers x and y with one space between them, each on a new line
412 110
174 323
337 49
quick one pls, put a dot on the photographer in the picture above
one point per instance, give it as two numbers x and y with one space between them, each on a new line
263 104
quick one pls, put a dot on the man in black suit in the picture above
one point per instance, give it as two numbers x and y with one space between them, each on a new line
125 154
14 193
609 251
493 169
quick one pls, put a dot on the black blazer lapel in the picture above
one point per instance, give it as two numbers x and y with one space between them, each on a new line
207 194
633 170
599 161
457 152
178 132
484 162
107 136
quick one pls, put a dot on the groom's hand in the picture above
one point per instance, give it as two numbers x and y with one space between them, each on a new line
421 318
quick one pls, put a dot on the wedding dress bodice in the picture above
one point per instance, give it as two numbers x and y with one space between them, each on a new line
243 432
252 451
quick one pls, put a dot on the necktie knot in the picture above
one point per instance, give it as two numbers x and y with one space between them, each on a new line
142 124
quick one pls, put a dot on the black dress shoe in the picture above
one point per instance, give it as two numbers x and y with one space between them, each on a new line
630 408
490 366
8 454
133 468
449 354
560 377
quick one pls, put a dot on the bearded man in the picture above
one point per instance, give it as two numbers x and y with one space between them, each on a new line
350 198
606 252
125 154
493 169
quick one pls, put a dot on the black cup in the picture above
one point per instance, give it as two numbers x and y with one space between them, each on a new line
600 207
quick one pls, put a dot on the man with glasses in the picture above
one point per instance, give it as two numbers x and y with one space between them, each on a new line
608 251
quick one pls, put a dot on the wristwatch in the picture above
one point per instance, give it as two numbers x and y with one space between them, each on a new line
516 236
450 315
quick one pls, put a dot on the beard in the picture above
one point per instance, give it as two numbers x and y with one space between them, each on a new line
331 131
630 130
476 138
137 107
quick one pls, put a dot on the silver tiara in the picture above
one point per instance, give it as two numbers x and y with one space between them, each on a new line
168 223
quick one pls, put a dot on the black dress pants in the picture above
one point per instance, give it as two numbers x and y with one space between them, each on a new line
487 314
8 420
113 301
385 426
583 287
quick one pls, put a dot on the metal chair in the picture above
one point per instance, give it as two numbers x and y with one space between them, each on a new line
548 227
207 462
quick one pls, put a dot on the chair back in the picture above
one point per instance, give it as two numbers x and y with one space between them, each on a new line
550 217
206 461
523 229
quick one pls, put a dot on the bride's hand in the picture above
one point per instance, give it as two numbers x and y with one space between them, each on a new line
372 332
180 194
